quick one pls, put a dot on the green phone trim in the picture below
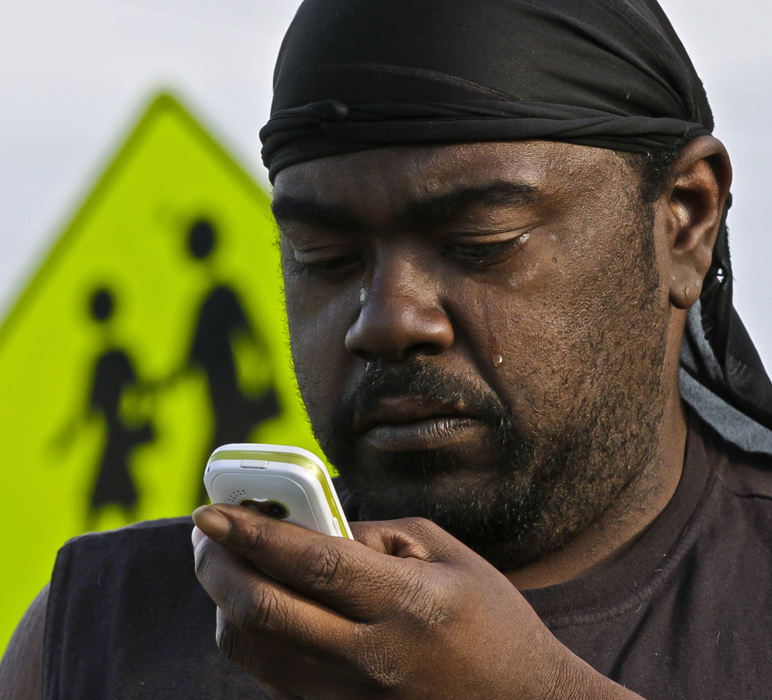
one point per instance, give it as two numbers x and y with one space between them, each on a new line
299 461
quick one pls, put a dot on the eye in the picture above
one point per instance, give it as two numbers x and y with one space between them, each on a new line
485 253
327 266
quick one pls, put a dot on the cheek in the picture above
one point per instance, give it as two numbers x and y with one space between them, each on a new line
317 332
540 344
513 338
589 344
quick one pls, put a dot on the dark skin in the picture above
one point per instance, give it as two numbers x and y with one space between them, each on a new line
481 265
407 610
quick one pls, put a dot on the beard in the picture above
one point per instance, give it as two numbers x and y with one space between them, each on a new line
531 486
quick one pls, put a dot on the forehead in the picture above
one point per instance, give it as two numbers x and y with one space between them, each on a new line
384 179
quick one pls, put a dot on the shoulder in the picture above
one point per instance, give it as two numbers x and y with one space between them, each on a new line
154 538
744 475
21 665
165 528
738 523
141 561
85 567
128 600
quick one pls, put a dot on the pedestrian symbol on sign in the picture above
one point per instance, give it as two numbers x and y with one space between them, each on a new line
153 331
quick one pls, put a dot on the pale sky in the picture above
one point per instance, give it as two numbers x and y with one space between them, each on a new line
75 74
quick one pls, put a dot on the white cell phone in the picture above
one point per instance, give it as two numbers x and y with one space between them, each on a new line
282 481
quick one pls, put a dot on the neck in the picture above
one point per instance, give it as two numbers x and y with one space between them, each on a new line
640 502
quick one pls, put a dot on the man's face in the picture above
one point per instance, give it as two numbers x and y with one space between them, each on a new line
478 333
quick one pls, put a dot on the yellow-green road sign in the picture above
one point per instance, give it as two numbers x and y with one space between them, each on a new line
153 332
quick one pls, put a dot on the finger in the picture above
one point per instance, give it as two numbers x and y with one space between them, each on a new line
266 609
296 648
415 538
346 575
196 536
293 646
284 672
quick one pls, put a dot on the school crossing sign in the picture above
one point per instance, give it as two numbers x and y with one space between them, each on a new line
153 332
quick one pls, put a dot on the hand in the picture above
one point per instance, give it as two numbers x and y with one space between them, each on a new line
406 611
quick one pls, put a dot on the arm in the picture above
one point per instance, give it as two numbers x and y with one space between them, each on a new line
22 664
405 611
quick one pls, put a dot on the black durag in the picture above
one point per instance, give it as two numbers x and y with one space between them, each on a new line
362 74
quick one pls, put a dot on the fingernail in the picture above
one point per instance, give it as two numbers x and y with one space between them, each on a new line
212 522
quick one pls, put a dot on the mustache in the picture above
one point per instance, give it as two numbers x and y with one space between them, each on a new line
421 382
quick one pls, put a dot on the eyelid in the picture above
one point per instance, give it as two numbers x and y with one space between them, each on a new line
482 252
471 237
328 264
301 236
330 249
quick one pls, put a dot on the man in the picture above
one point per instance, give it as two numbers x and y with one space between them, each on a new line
502 229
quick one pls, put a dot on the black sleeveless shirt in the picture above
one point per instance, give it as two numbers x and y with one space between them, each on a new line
685 613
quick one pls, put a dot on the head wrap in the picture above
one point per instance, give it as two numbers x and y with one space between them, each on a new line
361 74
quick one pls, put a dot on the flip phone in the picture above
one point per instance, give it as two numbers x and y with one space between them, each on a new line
281 481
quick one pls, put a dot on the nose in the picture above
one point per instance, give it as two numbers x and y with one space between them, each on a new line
401 315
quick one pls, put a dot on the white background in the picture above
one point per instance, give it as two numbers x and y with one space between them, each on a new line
75 74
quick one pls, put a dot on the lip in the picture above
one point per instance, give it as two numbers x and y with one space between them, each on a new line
408 425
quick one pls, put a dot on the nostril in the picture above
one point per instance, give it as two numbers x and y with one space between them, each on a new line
395 331
424 349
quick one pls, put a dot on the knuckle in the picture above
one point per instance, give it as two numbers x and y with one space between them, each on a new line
382 676
322 566
423 539
259 609
227 638
421 602
246 537
246 532
259 657
424 603
240 649
253 609
379 671
383 654
423 528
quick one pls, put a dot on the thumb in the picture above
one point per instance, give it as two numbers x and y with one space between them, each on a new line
415 538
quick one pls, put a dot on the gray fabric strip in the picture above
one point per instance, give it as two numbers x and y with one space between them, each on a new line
733 425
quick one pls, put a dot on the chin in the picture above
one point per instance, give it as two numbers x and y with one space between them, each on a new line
517 500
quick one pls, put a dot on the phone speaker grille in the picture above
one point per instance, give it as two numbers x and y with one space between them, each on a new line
236 496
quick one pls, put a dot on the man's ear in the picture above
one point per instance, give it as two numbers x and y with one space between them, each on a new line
702 174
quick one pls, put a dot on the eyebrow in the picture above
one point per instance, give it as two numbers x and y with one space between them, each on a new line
451 205
433 209
288 208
